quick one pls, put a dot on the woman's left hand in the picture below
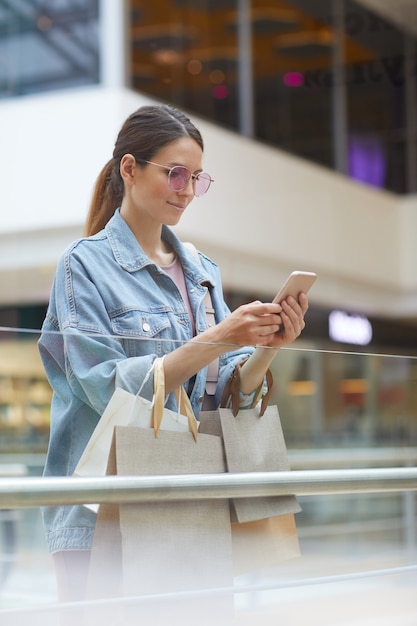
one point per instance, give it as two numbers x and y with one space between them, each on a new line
292 323
292 317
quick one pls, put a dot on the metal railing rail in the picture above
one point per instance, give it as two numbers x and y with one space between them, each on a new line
48 491
17 492
156 599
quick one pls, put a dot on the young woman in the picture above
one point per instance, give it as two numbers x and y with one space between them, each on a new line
129 292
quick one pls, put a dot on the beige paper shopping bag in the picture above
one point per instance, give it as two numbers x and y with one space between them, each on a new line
255 443
128 409
164 547
252 444
263 529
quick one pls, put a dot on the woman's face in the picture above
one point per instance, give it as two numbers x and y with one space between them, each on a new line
148 196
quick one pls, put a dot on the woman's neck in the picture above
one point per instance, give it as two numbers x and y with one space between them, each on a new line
149 237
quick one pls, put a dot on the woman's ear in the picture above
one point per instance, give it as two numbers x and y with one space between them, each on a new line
128 169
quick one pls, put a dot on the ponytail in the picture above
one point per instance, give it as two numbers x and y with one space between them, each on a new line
107 197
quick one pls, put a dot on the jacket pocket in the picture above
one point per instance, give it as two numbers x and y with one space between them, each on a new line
136 323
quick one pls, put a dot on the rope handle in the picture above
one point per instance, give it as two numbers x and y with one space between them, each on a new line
231 393
158 402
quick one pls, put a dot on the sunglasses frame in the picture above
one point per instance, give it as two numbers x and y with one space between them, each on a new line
193 177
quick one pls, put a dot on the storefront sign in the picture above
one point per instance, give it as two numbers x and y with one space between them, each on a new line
350 328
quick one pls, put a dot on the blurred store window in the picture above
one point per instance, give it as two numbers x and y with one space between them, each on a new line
25 395
332 399
330 80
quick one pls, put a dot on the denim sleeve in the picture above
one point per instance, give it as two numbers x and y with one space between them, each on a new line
78 348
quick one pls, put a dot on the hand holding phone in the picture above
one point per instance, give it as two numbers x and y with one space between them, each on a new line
296 283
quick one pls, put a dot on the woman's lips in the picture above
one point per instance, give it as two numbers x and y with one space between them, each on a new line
178 207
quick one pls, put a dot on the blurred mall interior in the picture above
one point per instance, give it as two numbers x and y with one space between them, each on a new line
308 110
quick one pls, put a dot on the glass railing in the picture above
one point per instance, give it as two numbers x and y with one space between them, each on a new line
327 399
339 410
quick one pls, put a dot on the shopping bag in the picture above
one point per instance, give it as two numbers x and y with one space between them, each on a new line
263 529
255 443
252 443
163 545
166 547
127 409
264 543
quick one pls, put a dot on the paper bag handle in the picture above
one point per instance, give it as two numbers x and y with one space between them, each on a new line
184 404
231 393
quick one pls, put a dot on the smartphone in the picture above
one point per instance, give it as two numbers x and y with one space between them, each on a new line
296 283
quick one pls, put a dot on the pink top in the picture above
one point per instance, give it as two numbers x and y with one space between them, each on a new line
175 270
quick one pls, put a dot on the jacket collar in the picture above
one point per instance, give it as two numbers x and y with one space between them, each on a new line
130 256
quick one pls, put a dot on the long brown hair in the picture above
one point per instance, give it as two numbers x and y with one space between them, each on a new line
143 134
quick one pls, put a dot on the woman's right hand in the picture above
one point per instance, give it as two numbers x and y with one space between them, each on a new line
253 324
292 318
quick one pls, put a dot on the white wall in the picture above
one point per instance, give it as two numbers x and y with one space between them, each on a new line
266 214
52 148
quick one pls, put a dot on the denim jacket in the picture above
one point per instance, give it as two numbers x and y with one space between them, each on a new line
112 311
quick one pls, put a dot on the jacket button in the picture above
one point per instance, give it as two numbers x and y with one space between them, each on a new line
200 399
